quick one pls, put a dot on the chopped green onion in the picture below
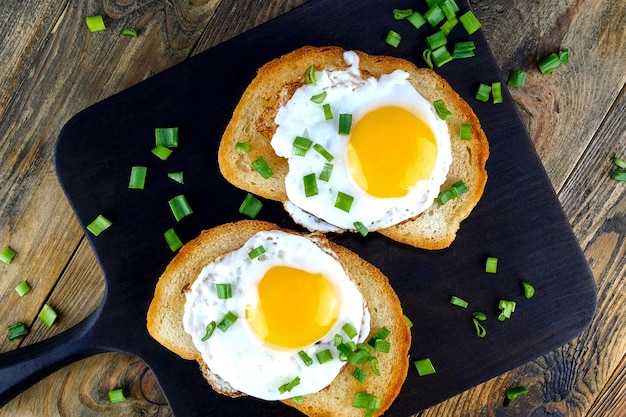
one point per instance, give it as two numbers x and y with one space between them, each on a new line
442 110
305 358
416 19
459 302
319 98
496 92
224 291
210 328
337 340
432 3
479 315
322 151
344 201
517 78
393 38
618 175
619 162
229 319
454 191
328 113
17 330
301 146
310 185
529 290
436 40
365 400
463 49
401 14
161 152
448 25
408 321
250 206
480 329
360 227
326 171
262 167
449 8
117 395
349 330
309 75
564 56
47 315
382 333
427 55
22 288
424 367
359 374
242 147
137 177
469 22
176 176
434 15
441 56
95 23
7 254
491 265
289 385
345 123
483 92
513 393
507 308
466 131
166 136
298 399
256 252
180 207
382 346
172 240
324 356
374 365
99 225
129 32
549 63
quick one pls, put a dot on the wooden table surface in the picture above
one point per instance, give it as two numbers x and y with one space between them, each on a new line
51 68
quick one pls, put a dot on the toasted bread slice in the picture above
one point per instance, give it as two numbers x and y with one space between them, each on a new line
275 83
165 319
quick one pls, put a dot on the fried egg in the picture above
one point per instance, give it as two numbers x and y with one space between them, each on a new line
388 168
288 299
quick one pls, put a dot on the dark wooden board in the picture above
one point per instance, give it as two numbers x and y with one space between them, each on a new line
519 220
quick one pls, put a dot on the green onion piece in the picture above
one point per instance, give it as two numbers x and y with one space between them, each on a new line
176 176
345 123
328 113
337 340
322 151
17 330
319 98
432 3
463 50
517 78
436 40
480 329
479 315
466 131
549 63
442 110
324 356
7 254
408 321
242 147
117 395
326 171
448 25
305 358
416 19
47 315
309 75
22 288
424 367
301 146
449 8
483 92
250 206
382 346
166 136
360 227
289 385
441 56
298 399
564 56
401 14
427 55
256 252
507 308
469 22
180 207
496 92
618 175
382 333
359 374
99 225
491 265
434 15
129 32
310 185
365 400
529 290
393 38
210 328
344 201
513 393
95 23
374 365
349 330
137 177
262 167
459 302
619 162
454 191
229 319
161 152
224 291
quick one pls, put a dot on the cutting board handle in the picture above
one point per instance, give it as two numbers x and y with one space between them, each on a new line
23 367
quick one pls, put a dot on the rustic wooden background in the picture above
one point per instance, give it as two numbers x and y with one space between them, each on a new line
51 67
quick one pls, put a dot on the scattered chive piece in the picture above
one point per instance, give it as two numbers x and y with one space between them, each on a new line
328 113
47 315
401 14
382 346
441 56
229 319
442 110
454 191
7 254
454 300
95 23
161 152
326 171
22 288
381 334
517 78
427 55
117 395
180 207
408 321
448 25
424 367
224 291
344 201
374 365
483 92
491 265
309 75
469 22
301 146
549 63
564 56
365 400
337 340
507 308
436 40
289 385
17 330
305 358
393 38
262 167
322 151
176 176
479 315
319 98
463 50
324 356
99 225
345 123
310 185
529 290
619 162
496 92
466 131
349 330
129 32
210 328
256 252
449 8
298 399
416 19
618 175
434 15
250 206
359 374
513 393
166 136
480 329
137 177
360 227
242 147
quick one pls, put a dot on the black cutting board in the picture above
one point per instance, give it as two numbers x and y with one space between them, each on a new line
519 220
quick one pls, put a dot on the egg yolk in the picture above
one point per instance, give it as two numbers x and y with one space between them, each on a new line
295 308
390 150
